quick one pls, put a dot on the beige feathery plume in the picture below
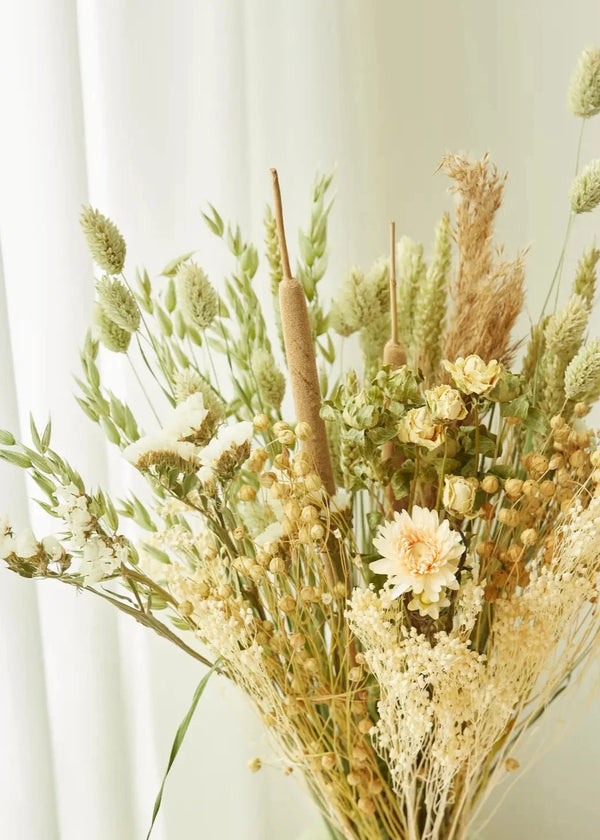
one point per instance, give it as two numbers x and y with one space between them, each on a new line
300 355
488 291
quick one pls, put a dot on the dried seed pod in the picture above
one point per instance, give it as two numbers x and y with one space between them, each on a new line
490 484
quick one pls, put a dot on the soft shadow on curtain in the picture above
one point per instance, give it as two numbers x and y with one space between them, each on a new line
148 110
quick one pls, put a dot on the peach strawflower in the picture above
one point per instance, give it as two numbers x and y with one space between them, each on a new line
418 553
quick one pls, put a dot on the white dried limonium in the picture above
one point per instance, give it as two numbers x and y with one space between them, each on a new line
228 450
584 194
72 508
419 554
186 381
584 89
197 298
174 444
472 375
104 240
100 560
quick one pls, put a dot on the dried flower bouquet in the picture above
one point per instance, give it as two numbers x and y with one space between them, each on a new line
404 576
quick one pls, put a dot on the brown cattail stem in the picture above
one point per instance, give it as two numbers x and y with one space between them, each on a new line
393 352
300 355
393 355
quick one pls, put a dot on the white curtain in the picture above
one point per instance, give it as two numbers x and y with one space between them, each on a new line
148 110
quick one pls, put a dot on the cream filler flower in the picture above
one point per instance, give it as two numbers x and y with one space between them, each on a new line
472 375
446 403
419 554
419 426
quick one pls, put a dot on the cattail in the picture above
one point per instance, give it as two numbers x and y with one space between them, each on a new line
582 376
104 240
197 298
301 358
114 337
585 277
118 303
269 380
585 189
584 90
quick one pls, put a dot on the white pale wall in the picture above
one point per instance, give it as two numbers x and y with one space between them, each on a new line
149 109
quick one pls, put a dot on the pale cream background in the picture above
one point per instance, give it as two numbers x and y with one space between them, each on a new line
149 109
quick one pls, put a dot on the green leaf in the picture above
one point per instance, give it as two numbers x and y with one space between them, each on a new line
215 223
375 519
516 408
179 736
45 484
170 296
6 438
379 435
171 267
155 552
110 430
47 434
501 471
401 484
536 421
87 409
16 458
34 433
110 514
164 322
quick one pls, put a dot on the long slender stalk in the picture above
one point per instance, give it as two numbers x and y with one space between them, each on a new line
300 355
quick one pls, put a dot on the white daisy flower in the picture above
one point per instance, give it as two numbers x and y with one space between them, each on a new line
418 553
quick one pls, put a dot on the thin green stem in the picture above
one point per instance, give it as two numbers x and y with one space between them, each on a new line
143 389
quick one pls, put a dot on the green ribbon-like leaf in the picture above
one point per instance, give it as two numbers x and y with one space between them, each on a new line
180 735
